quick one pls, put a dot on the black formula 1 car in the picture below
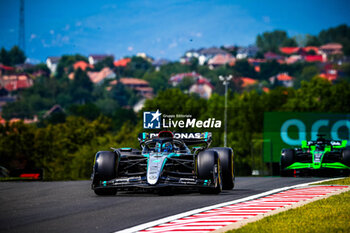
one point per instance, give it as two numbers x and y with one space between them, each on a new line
320 157
165 162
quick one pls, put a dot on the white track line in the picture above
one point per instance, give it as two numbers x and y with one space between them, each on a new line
196 211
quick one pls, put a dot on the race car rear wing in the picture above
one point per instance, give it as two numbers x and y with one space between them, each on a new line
187 138
335 144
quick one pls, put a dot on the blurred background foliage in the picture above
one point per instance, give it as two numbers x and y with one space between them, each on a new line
66 150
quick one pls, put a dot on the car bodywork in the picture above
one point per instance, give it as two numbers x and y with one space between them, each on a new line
157 168
321 154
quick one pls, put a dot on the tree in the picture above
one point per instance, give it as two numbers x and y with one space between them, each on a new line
339 34
289 42
312 41
16 55
186 83
65 65
81 88
107 62
4 57
121 94
307 74
269 69
271 41
245 69
137 67
13 57
88 111
157 80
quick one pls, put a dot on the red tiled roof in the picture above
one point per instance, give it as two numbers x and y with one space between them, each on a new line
333 46
97 77
284 77
2 120
133 81
330 75
122 62
144 89
266 89
289 50
313 58
309 48
6 67
248 81
222 59
204 81
14 82
82 65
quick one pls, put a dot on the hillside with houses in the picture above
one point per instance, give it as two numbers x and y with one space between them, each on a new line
29 92
73 105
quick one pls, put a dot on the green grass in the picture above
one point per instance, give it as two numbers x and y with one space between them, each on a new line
327 215
345 181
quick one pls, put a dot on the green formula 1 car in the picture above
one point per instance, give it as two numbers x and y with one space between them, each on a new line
317 157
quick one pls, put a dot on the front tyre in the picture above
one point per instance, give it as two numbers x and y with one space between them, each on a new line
287 159
105 168
227 165
208 168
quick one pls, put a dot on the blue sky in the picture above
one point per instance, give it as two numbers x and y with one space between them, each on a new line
160 28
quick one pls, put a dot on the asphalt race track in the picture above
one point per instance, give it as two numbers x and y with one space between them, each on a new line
73 207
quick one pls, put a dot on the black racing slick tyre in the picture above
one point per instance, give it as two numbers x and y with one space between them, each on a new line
226 157
105 168
208 168
346 157
287 159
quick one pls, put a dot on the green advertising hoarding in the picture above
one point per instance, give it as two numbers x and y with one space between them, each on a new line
288 129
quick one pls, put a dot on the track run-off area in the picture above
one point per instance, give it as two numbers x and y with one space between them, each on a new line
71 206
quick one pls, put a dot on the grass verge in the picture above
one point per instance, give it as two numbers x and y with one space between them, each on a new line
345 181
325 215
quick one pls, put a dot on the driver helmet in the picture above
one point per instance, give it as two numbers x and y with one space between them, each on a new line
167 147
157 147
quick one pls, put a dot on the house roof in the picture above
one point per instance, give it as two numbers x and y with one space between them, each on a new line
97 77
293 58
203 91
289 50
133 81
8 68
144 89
82 65
204 81
314 58
16 81
212 51
2 120
54 59
56 108
266 89
99 56
332 46
160 62
284 77
247 81
271 55
178 77
122 62
330 74
309 48
222 59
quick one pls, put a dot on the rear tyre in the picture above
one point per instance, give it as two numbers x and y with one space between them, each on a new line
105 169
226 157
208 168
287 159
